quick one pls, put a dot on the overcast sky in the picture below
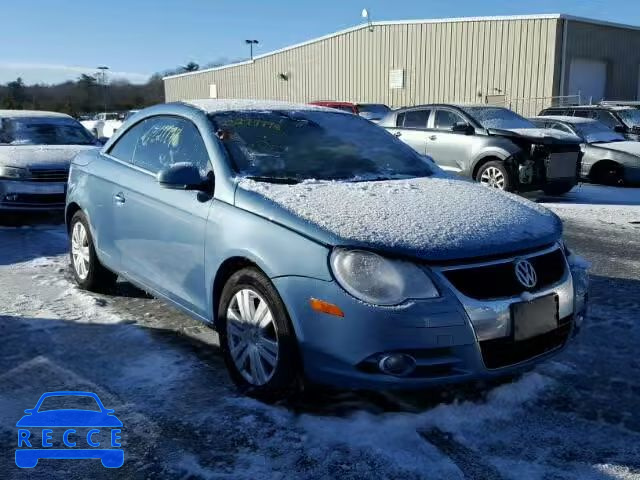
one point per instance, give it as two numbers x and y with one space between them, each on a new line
54 40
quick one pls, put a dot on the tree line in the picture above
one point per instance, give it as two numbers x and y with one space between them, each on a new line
87 94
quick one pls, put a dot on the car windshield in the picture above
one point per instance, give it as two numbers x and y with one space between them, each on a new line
69 402
597 132
44 131
293 146
377 109
631 117
497 117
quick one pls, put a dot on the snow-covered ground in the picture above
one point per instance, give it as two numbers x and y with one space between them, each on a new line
575 417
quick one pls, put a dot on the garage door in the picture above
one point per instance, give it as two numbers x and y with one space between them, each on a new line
588 78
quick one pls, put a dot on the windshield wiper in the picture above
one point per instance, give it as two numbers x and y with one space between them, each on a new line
281 180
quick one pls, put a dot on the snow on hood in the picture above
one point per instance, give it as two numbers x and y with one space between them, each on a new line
544 133
431 218
27 156
627 147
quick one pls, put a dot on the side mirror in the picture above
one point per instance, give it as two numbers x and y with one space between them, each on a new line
619 129
463 127
29 411
183 176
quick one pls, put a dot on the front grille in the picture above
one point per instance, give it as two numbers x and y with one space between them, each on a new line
33 199
502 352
59 175
499 279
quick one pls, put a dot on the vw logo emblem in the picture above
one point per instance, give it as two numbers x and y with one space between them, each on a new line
526 274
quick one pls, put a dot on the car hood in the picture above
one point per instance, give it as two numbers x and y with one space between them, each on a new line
40 156
69 418
538 135
630 147
436 218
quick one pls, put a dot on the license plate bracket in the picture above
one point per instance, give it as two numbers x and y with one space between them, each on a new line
529 319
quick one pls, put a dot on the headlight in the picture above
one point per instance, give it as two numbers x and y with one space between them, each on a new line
13 172
374 279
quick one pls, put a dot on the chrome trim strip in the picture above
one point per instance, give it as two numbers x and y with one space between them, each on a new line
510 259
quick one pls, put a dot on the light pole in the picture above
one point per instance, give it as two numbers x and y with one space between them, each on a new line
367 17
103 79
251 43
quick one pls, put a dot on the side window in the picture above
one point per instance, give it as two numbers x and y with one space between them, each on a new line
559 126
583 113
416 118
165 141
445 119
400 120
126 145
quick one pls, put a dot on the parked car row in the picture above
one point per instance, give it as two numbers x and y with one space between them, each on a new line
324 249
499 148
104 125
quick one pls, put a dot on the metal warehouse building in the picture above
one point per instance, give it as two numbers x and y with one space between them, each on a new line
522 62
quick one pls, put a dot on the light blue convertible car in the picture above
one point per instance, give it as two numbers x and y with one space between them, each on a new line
321 248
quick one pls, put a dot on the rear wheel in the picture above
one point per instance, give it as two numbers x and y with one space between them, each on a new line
495 174
87 269
607 173
257 341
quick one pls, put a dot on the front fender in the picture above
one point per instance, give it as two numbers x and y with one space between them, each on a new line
275 249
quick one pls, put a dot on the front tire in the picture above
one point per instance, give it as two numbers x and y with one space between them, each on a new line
257 340
607 173
495 174
87 269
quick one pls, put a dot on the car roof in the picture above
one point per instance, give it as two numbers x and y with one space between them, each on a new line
564 118
214 105
31 114
592 107
460 106
331 102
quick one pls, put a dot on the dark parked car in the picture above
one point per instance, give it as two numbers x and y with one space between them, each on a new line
492 145
607 157
622 119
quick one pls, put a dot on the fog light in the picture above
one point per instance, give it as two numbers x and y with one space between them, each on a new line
397 364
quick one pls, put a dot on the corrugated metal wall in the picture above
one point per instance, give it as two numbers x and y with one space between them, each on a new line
458 61
618 47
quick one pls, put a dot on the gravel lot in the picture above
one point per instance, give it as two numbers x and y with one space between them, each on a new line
575 417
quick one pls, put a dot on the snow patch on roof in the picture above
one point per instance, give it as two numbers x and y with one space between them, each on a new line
31 114
213 105
565 118
439 217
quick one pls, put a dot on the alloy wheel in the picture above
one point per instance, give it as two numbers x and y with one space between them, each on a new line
80 250
252 337
493 177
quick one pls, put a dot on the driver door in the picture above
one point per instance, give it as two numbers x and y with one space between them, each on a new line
451 150
160 232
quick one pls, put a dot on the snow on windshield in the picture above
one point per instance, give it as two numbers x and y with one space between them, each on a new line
630 116
497 117
301 145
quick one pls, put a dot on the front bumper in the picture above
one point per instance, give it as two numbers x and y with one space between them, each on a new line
450 338
23 196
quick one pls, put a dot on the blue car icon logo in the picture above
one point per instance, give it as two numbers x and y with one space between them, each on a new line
69 425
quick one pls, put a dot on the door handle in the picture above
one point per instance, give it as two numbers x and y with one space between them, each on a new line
432 137
398 134
119 198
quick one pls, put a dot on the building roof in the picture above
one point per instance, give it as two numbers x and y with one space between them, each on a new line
213 105
547 16
31 113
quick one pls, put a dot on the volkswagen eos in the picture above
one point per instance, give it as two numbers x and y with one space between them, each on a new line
321 248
